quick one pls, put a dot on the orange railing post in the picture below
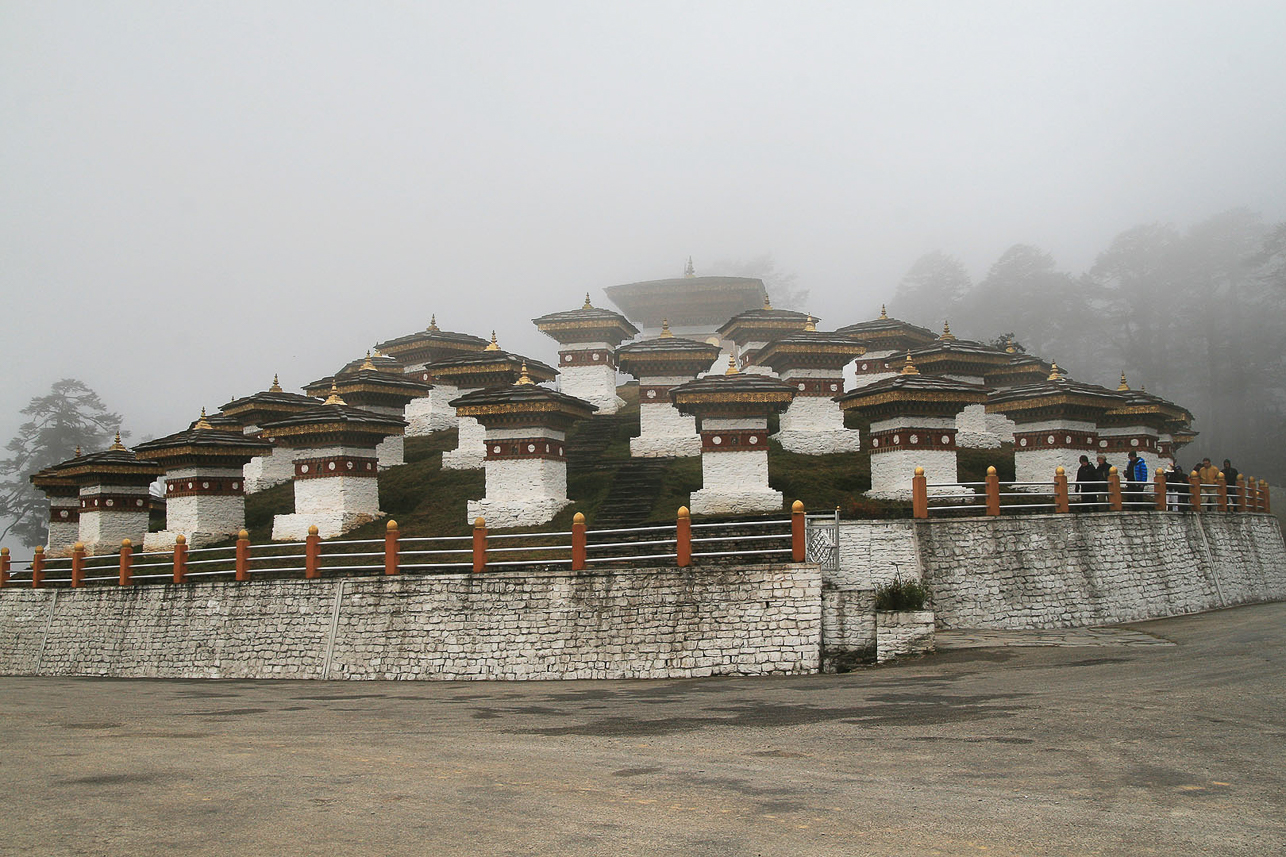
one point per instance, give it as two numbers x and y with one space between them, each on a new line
4 567
38 567
312 554
683 537
127 562
479 546
78 565
1221 492
180 558
243 556
1194 490
1114 500
578 542
391 536
1158 489
993 492
1265 497
798 551
1062 503
919 494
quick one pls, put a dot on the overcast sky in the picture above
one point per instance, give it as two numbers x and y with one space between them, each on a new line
193 196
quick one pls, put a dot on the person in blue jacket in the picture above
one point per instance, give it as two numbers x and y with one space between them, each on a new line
1136 475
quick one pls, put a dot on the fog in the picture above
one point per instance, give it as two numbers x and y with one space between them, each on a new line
196 196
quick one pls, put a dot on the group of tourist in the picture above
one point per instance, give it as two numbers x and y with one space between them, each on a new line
1091 483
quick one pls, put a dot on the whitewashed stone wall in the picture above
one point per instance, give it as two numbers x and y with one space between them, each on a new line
1120 459
62 535
892 471
471 448
815 426
900 633
594 384
974 431
333 504
646 623
202 520
853 380
524 491
1038 465
102 531
735 483
431 413
276 468
663 431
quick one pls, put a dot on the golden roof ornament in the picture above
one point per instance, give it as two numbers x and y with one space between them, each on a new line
202 422
433 322
1124 385
77 450
367 364
811 325
334 398
732 366
908 368
276 385
883 312
946 335
523 377
688 270
665 329
1009 346
588 305
1055 373
117 445
767 303
494 346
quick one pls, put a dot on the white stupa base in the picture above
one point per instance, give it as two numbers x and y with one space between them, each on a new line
820 442
294 527
892 473
722 501
665 446
977 440
471 447
505 514
391 452
62 535
605 404
266 471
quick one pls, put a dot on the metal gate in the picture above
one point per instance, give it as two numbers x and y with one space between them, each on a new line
821 540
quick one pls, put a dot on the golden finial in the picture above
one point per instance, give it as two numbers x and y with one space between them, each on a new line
1124 385
202 422
732 366
1143 388
524 378
811 325
767 303
883 312
908 368
1009 346
494 346
946 332
588 305
1054 372
276 385
367 364
78 450
117 444
689 271
334 398
433 321
665 329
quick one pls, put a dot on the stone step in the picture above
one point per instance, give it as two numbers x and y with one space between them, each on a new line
632 494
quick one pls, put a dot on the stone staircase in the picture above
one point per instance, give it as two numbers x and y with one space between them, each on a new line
588 444
632 494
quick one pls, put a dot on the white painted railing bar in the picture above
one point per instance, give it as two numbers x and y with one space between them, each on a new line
491 550
191 551
352 555
774 536
492 537
405 540
354 541
439 565
738 524
632 530
443 550
153 564
743 553
530 562
209 573
605 545
630 558
209 561
151 576
354 567
275 570
90 579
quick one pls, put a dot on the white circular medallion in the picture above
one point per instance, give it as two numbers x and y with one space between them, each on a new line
1022 441
946 438
495 449
350 465
915 438
801 385
897 438
64 513
303 468
205 484
1069 439
567 358
1103 444
875 442
138 502
531 447
716 440
598 356
1050 440
330 466
1134 441
108 502
753 439
651 394
863 367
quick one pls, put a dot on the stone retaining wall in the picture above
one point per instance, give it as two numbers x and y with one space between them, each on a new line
644 623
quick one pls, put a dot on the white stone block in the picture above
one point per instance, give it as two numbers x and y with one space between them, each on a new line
268 470
471 448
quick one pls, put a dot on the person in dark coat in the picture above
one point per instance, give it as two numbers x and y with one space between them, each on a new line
1087 484
1104 470
1176 488
1230 475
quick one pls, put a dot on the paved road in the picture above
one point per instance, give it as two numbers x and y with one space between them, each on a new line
1131 750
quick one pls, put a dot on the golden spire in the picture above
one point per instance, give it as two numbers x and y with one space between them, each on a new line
276 385
883 312
688 270
78 450
1143 388
1009 346
588 305
946 336
767 303
732 366
494 346
811 326
433 322
1054 372
334 398
117 444
367 364
665 329
524 378
202 422
908 368
1124 385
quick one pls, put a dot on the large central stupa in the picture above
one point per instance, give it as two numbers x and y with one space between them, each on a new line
695 306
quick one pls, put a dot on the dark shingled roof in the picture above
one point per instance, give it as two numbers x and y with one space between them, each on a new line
431 336
220 422
914 384
1061 386
344 414
367 377
668 344
212 438
518 394
765 317
268 397
482 358
886 325
118 461
589 313
741 382
687 300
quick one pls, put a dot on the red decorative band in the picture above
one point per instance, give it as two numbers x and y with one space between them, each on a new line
913 438
1124 443
1027 441
335 465
874 367
525 447
588 357
115 503
734 440
658 394
63 515
1165 448
194 486
817 387
421 375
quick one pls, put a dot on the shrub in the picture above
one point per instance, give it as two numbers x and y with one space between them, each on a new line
901 594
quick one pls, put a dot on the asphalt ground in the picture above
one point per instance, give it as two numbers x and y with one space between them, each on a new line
1131 750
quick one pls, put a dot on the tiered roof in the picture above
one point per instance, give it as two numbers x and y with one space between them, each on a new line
587 324
430 344
690 301
733 394
911 394
1057 397
888 334
809 349
764 324
333 422
524 403
667 355
491 367
115 465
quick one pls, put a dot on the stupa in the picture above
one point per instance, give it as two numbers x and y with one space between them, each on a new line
336 472
913 424
114 498
733 409
526 462
491 367
886 340
204 483
1141 422
63 494
415 352
660 365
751 330
813 363
1057 422
968 361
693 306
588 338
378 386
252 412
